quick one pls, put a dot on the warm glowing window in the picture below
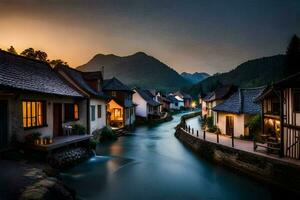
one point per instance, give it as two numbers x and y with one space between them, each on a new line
71 112
117 113
34 113
114 93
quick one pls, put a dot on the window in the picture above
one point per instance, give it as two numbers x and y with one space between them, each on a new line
93 113
99 111
296 102
34 114
117 113
71 112
114 93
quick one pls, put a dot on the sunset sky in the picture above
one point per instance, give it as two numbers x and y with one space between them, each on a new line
211 36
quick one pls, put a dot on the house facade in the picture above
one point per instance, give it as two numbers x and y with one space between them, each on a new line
147 106
281 115
214 98
163 100
174 103
90 85
34 99
187 99
120 109
233 114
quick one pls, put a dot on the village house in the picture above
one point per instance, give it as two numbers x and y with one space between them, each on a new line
214 98
234 114
163 100
120 109
174 103
90 85
187 99
35 100
281 117
147 107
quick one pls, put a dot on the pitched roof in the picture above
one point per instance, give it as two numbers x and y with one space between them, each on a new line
22 73
220 93
172 99
80 79
291 81
147 96
183 95
241 101
115 84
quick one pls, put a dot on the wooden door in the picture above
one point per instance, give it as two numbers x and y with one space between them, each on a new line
229 125
3 124
57 119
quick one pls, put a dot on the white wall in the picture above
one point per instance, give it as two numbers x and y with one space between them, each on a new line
239 123
15 115
99 122
141 108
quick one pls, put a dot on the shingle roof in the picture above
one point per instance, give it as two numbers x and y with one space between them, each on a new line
79 78
241 101
172 99
115 84
147 96
220 93
183 95
27 74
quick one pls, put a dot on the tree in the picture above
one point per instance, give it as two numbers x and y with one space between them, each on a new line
57 62
293 56
29 53
41 55
11 49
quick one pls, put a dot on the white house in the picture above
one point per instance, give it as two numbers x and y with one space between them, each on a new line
35 99
90 85
147 107
233 115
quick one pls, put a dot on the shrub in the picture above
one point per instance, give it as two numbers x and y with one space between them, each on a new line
107 134
79 129
254 125
213 129
30 138
93 143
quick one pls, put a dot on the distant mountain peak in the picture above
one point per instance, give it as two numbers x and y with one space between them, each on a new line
138 69
195 77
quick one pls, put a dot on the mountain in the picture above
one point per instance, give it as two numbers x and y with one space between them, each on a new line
138 69
252 73
195 77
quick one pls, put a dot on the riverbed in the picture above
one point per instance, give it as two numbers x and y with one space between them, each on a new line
150 163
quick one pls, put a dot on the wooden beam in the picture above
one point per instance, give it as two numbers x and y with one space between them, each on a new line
281 124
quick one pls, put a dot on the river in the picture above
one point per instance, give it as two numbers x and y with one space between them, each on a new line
150 163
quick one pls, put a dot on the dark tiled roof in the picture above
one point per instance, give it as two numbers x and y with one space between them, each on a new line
241 101
148 97
220 93
172 99
183 95
27 74
291 81
115 84
79 78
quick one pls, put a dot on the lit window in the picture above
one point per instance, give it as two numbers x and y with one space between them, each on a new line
114 93
34 113
71 112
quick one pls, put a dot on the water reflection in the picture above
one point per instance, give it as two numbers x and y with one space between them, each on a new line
152 164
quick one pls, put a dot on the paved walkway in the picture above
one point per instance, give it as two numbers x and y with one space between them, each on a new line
243 145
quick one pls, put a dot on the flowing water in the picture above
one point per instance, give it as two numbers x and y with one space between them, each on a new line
150 163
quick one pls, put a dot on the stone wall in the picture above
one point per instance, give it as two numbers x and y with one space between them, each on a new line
270 170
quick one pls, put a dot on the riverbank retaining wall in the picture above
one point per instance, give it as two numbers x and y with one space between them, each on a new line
264 168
